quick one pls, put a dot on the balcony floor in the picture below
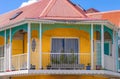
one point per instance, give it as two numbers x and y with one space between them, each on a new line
60 72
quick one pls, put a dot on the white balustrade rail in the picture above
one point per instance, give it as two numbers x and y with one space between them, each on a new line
1 64
19 62
65 60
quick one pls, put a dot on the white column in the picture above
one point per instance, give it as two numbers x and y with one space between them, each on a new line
28 46
113 50
5 50
40 50
92 52
102 45
10 51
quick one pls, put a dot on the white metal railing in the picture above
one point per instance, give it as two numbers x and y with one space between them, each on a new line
1 64
19 62
65 60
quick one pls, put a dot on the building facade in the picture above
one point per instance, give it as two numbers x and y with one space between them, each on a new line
58 39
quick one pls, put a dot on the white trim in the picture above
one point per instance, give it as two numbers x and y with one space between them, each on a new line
28 46
24 21
67 38
10 51
5 51
92 51
102 44
40 50
60 72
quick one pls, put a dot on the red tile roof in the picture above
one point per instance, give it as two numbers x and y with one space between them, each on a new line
91 10
45 9
112 16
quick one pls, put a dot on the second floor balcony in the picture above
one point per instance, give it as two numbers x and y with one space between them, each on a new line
52 48
53 61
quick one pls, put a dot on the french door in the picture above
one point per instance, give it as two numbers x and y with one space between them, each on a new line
64 50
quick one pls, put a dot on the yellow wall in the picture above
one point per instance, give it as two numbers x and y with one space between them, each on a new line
35 55
17 47
60 77
1 40
84 43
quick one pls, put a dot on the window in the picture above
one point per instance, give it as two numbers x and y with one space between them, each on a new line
64 50
16 15
108 48
1 51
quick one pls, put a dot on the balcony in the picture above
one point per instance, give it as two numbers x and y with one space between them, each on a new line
50 61
54 63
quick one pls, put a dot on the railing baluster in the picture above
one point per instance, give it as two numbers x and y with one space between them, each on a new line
65 60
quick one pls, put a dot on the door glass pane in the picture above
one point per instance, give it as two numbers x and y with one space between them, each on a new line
71 46
57 48
57 45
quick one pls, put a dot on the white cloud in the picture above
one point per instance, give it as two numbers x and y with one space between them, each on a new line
28 2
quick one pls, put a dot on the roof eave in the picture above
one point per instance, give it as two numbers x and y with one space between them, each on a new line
104 22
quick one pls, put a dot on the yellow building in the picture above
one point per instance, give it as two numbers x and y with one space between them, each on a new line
56 39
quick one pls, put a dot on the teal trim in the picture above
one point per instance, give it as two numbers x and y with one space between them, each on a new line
97 28
106 49
17 28
2 33
35 26
7 35
74 26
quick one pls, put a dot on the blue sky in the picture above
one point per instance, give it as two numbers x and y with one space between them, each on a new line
101 5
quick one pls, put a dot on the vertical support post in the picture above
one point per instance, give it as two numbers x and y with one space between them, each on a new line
40 37
117 54
10 51
113 50
102 44
28 46
5 50
92 52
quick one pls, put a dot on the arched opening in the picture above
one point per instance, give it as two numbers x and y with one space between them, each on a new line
107 44
19 42
19 50
108 52
60 44
97 49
